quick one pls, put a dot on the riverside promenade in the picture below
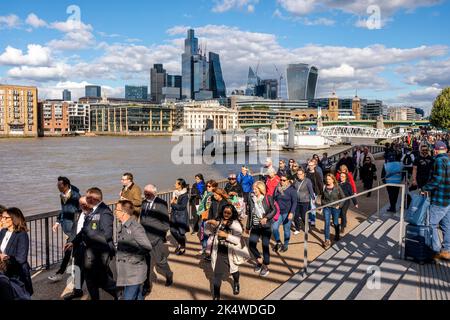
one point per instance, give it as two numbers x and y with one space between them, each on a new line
193 275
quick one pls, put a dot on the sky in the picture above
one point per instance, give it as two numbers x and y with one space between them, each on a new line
393 50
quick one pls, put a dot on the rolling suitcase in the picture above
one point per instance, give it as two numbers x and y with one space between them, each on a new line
418 243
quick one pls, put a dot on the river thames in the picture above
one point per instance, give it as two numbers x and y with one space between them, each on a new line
30 167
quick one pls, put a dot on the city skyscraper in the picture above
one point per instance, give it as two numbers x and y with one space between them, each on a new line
302 81
201 79
268 89
252 82
158 78
93 91
136 93
67 95
216 82
172 90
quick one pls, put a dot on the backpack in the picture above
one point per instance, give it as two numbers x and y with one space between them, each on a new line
277 207
17 288
407 161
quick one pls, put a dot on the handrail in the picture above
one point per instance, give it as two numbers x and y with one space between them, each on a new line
402 214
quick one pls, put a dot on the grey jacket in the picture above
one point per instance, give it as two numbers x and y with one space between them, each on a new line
133 245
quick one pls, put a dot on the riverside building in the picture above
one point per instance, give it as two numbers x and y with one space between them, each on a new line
18 110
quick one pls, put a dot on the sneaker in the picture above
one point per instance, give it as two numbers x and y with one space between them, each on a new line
277 247
258 268
264 272
283 249
444 255
75 294
56 277
296 233
327 244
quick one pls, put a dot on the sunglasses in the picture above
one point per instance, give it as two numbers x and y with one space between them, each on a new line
231 179
284 180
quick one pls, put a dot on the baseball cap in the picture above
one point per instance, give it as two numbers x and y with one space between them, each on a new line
440 145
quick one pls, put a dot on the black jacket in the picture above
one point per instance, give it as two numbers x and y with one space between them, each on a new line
179 215
155 220
97 232
348 191
317 182
71 207
269 208
17 250
236 188
216 208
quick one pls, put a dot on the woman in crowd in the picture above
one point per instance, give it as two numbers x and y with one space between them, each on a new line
197 191
226 245
314 176
368 174
292 176
351 180
286 197
203 212
14 246
179 216
319 168
246 181
348 192
305 194
331 193
272 181
259 224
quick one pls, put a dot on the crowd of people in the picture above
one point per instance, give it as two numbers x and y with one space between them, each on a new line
220 218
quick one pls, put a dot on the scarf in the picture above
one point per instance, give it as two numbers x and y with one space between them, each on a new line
177 193
282 189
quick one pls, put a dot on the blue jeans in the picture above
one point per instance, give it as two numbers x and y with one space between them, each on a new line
133 292
286 228
328 212
440 217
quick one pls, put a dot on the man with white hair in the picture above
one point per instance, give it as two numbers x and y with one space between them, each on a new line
155 220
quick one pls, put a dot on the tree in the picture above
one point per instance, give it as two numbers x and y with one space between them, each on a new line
440 115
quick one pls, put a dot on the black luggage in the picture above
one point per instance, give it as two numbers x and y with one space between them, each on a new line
418 243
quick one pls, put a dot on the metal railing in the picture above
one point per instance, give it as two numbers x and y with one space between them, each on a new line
402 214
46 246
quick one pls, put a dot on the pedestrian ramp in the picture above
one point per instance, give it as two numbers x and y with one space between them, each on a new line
365 265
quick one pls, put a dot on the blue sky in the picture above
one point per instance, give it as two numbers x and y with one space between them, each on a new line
400 56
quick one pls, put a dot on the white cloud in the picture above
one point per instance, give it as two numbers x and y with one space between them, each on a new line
226 5
77 89
9 22
298 7
427 73
77 35
36 56
34 21
53 73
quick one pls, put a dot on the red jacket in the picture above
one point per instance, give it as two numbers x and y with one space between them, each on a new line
271 185
351 180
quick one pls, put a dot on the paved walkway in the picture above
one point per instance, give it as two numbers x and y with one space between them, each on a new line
192 279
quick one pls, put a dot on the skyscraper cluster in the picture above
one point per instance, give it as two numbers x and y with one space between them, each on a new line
267 88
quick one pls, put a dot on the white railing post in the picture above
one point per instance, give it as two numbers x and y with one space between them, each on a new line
402 217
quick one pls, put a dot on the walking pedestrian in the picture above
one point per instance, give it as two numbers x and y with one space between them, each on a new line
70 197
332 192
132 192
439 189
368 173
305 194
14 247
314 176
348 192
272 181
156 222
132 247
246 181
233 188
78 252
197 190
286 197
97 238
259 224
179 216
392 173
422 168
283 168
226 246
326 164
351 180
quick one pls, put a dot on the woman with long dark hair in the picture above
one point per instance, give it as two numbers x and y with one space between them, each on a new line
348 191
179 215
14 246
226 246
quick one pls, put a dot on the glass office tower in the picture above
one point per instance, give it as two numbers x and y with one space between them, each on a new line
216 82
136 92
190 49
93 91
302 81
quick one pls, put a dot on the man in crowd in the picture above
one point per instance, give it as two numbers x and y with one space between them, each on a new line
422 167
439 188
78 252
233 188
70 197
366 153
97 238
246 181
392 174
357 160
155 220
283 169
132 192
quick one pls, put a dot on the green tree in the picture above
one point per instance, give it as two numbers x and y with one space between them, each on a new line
440 115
